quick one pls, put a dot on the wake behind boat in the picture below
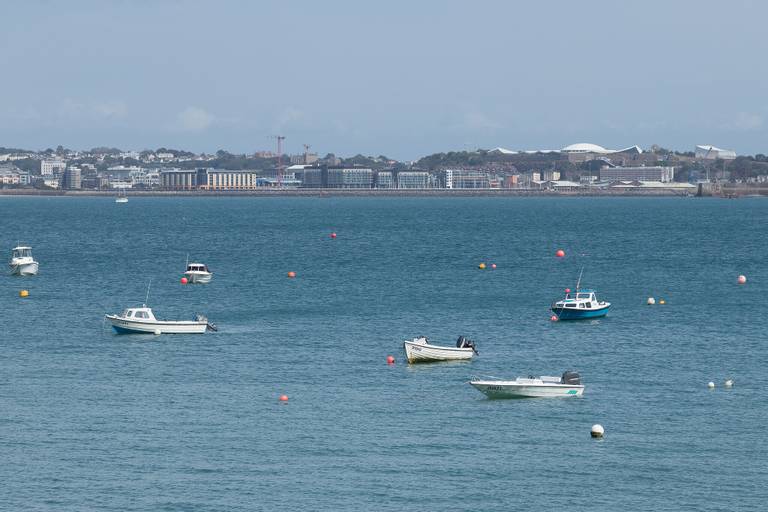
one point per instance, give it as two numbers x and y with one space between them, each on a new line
420 350
569 384
142 321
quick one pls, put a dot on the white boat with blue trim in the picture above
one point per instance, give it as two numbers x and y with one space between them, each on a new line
141 320
567 385
582 304
420 350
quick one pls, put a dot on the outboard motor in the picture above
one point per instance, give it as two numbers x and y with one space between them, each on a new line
466 343
572 378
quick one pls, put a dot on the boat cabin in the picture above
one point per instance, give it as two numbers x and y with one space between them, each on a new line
581 299
197 267
22 252
139 314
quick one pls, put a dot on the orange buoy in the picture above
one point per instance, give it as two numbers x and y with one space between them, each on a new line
291 274
283 398
481 266
560 253
184 280
493 266
390 360
742 279
333 235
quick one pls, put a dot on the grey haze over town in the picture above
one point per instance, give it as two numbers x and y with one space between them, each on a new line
396 78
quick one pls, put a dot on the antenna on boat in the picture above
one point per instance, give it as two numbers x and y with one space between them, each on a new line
578 283
146 300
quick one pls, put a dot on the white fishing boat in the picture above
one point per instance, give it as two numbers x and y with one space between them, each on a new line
569 384
420 350
22 263
121 198
141 320
198 273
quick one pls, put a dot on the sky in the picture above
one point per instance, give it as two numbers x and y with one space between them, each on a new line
399 78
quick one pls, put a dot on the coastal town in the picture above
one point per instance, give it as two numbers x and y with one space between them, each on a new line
581 168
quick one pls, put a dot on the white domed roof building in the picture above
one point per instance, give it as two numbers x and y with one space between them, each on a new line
585 147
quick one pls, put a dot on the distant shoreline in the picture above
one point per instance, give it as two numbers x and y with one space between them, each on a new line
501 192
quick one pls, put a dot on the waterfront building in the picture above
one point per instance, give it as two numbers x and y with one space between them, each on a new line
182 179
650 173
462 178
448 178
52 167
385 180
713 153
71 179
313 177
145 178
584 151
414 179
511 181
11 175
550 175
350 177
222 179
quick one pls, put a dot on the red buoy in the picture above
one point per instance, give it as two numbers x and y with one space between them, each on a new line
554 318
493 265
560 253
567 290
333 235
390 360
283 398
291 274
742 279
184 280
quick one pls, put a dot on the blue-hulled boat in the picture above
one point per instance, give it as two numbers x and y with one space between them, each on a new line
582 304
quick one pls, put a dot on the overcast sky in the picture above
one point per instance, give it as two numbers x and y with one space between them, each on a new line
400 78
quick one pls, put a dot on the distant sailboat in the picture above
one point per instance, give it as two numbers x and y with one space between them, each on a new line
121 198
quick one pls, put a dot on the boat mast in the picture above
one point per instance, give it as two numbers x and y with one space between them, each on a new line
578 283
146 300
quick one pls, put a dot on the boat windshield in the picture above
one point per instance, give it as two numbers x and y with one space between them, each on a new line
25 252
583 295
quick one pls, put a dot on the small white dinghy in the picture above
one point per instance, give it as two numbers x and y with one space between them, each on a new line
419 350
569 384
142 321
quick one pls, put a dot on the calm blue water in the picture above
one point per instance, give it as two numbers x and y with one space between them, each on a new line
94 421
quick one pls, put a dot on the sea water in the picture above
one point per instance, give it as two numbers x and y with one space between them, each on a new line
91 420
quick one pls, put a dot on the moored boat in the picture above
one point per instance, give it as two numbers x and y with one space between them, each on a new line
582 304
22 263
198 273
420 350
569 384
141 320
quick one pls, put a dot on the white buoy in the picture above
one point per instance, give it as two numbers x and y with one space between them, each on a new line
597 430
651 301
157 332
711 385
729 383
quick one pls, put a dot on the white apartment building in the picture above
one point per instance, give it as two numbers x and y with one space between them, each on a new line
51 167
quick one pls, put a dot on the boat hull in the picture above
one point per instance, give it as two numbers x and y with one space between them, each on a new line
123 326
424 353
513 390
579 314
197 278
24 269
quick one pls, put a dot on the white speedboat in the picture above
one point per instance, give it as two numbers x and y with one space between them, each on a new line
420 350
198 273
569 384
22 263
142 321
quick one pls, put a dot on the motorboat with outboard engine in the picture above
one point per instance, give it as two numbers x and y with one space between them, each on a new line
569 384
580 305
420 350
141 320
